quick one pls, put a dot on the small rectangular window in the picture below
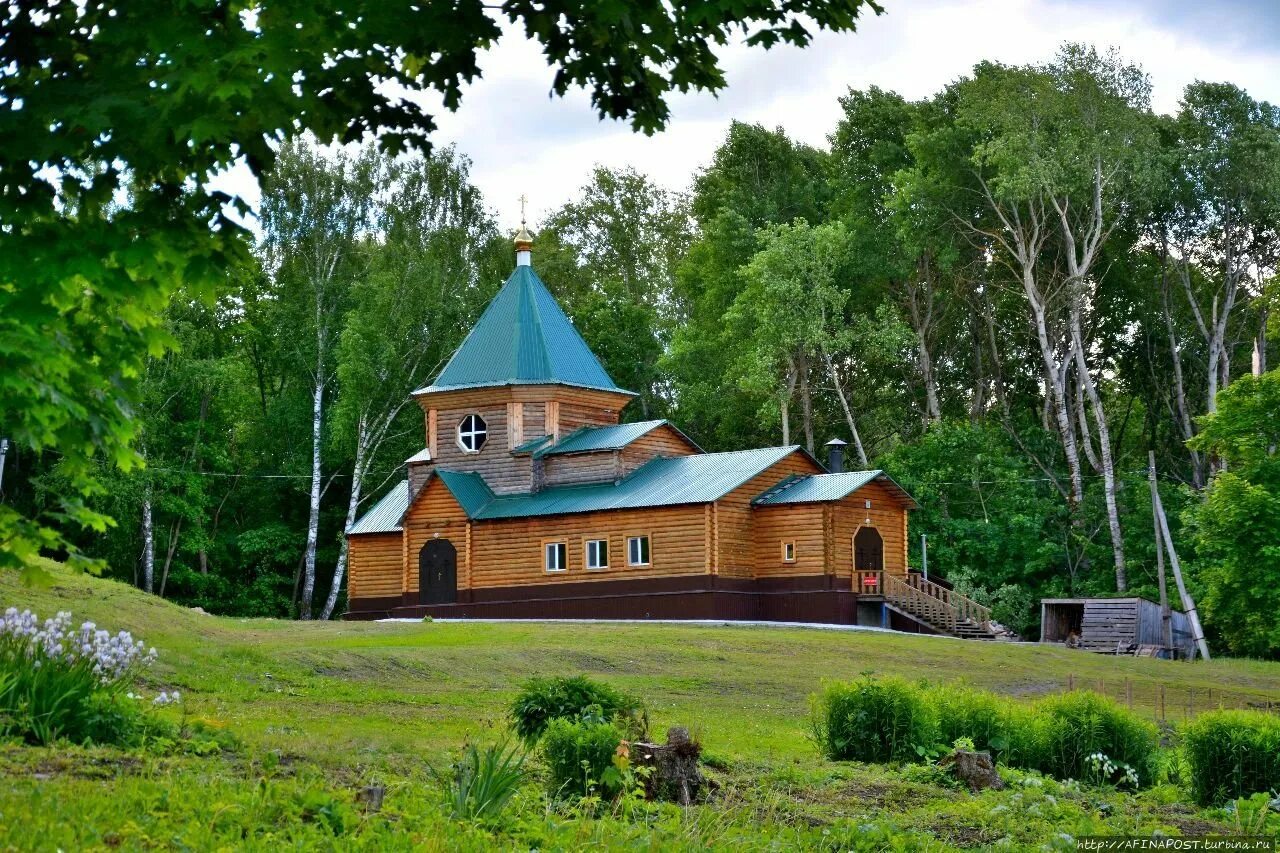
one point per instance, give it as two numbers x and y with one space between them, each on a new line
788 551
597 553
638 551
556 556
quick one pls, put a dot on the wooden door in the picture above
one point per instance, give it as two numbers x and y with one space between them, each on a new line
438 572
868 550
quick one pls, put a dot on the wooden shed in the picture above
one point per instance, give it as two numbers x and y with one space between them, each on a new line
1112 625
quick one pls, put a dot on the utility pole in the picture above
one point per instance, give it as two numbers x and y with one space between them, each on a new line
1188 603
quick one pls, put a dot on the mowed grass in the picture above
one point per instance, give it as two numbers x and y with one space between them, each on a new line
349 701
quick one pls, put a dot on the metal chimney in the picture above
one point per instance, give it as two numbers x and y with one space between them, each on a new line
835 455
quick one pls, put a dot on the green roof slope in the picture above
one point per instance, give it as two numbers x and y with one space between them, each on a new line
523 338
385 515
819 488
614 437
701 478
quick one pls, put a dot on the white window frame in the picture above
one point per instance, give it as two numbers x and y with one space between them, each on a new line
483 433
788 545
561 551
648 546
587 553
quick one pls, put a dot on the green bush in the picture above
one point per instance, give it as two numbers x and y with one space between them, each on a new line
1009 730
483 782
581 757
1075 726
873 720
1232 754
542 700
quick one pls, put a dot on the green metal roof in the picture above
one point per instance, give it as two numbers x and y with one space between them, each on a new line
523 338
615 437
469 489
819 488
385 515
664 481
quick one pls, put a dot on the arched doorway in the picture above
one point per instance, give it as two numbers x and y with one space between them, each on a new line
868 550
438 572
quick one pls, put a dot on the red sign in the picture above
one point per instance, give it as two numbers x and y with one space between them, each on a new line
870 580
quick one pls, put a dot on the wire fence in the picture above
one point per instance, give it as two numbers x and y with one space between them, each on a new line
1174 702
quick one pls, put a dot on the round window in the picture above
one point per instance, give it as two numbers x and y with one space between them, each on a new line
472 433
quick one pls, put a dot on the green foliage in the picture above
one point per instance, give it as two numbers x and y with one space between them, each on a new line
583 757
574 698
1080 724
871 720
1010 731
482 783
1237 527
107 226
1232 754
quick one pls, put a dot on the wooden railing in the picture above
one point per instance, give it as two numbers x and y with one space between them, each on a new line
941 607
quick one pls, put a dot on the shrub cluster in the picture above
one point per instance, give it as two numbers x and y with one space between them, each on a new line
1074 736
1232 754
874 720
542 700
584 727
58 682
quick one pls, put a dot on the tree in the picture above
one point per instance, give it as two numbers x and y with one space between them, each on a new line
145 102
317 211
612 253
425 281
1059 150
791 312
1237 527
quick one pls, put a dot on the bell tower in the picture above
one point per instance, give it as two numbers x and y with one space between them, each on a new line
521 379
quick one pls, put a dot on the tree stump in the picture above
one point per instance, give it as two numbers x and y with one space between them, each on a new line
674 773
975 769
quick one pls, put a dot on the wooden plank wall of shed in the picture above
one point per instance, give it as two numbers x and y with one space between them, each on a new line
375 565
735 542
888 516
1110 623
799 523
434 514
509 552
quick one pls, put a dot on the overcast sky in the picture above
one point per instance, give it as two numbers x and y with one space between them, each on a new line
520 140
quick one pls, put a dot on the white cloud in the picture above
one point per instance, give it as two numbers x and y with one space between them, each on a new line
521 141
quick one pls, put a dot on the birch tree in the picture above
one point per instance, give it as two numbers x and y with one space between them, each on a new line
409 309
316 209
1061 148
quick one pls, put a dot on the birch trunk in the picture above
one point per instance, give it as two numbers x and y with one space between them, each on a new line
148 543
848 412
353 506
1183 411
169 552
313 516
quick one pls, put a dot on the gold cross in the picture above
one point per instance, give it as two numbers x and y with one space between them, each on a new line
524 199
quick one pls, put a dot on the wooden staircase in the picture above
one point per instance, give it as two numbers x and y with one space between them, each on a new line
944 610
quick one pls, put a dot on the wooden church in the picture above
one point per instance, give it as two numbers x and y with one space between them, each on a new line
532 499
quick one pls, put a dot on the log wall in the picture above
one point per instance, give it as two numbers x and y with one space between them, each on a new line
568 469
509 552
662 441
888 516
734 540
803 524
434 514
375 565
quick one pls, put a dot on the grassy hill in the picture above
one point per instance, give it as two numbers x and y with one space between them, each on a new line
323 708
